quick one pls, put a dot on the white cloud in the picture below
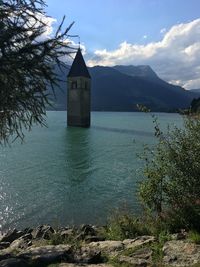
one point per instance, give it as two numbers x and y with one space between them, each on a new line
74 46
175 58
39 18
48 21
193 84
163 30
50 30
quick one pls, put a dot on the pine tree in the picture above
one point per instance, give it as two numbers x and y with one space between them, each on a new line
27 65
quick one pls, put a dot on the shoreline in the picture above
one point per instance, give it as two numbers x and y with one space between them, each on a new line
87 245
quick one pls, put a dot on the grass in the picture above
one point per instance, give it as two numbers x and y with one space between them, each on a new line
194 236
121 226
114 261
125 226
157 247
57 239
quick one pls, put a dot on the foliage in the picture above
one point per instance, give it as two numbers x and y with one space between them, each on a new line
171 190
194 236
195 105
57 239
27 64
157 247
121 226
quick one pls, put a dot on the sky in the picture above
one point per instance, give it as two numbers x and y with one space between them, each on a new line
164 34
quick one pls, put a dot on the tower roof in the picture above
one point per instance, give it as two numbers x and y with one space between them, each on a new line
79 67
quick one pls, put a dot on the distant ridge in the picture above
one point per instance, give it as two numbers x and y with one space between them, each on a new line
196 91
144 71
121 88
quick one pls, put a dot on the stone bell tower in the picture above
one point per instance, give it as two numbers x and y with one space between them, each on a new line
78 93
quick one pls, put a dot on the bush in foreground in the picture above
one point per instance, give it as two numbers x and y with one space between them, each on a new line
171 190
123 225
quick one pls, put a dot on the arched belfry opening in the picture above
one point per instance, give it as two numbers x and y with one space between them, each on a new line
78 93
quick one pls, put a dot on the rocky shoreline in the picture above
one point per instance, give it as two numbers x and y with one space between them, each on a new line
86 246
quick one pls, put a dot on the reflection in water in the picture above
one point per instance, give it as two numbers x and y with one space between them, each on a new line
78 156
125 131
77 188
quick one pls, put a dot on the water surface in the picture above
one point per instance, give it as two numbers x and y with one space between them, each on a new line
66 175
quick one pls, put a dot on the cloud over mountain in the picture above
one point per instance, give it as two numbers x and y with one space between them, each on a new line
176 58
51 26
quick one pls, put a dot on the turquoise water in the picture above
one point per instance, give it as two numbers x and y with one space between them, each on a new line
66 175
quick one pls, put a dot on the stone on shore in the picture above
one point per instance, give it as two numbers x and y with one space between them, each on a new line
11 235
109 247
181 253
30 247
43 231
84 265
138 241
47 254
13 262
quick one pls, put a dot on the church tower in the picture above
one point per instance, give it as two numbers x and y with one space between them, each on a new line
78 93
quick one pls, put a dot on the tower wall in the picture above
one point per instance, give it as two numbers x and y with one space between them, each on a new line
78 101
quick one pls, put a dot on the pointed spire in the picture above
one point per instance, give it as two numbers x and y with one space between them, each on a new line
79 42
79 67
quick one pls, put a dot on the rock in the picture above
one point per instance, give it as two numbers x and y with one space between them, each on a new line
6 254
129 261
108 247
84 265
142 253
66 233
181 253
47 254
13 262
11 235
43 231
90 239
22 242
27 236
179 236
141 257
86 230
1 235
29 243
4 245
88 255
138 241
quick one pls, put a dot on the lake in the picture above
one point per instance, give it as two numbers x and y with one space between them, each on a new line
64 176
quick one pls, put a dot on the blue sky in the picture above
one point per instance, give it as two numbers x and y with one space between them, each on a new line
112 32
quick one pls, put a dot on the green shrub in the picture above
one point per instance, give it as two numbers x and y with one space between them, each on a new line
171 190
157 247
194 236
123 225
56 239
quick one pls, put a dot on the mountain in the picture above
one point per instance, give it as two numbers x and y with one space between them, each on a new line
144 71
121 88
196 91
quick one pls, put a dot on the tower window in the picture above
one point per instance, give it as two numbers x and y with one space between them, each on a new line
74 85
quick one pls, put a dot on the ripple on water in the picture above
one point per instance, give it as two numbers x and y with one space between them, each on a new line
72 175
